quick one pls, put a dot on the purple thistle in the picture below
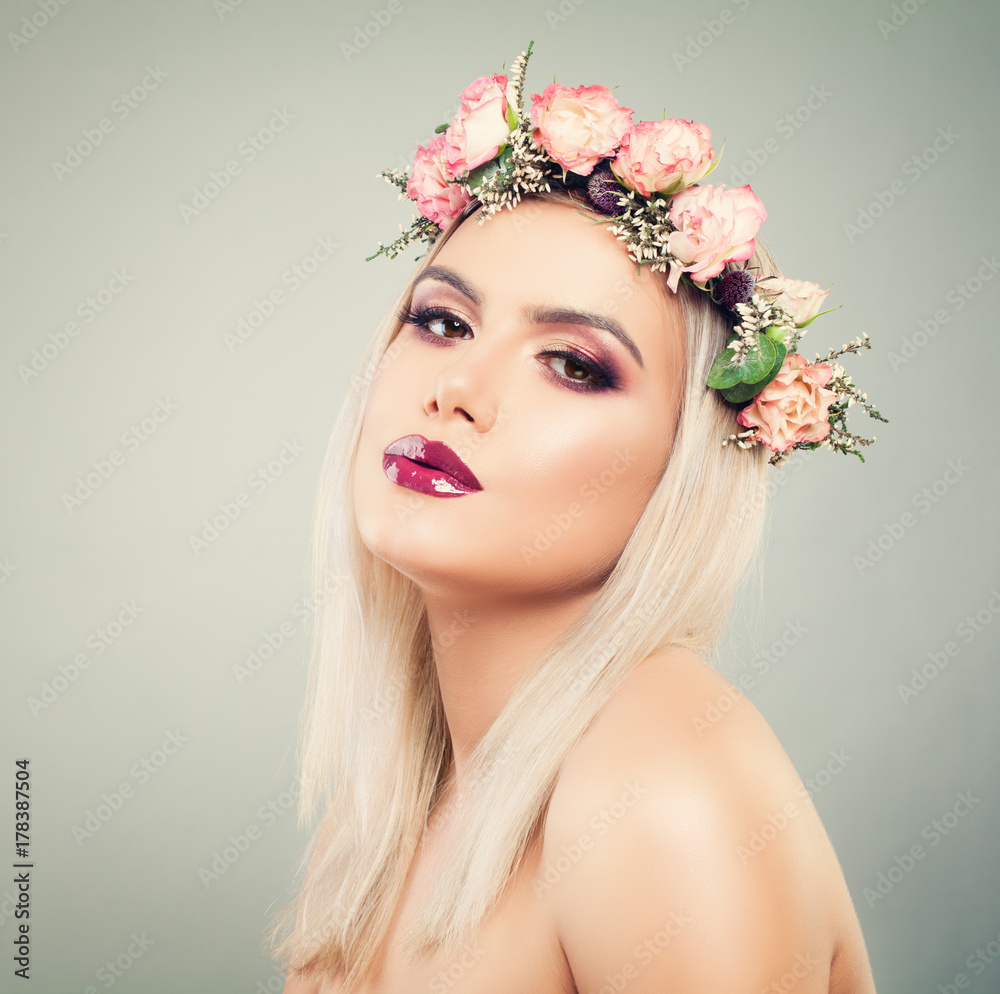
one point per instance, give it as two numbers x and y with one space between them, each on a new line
602 190
735 287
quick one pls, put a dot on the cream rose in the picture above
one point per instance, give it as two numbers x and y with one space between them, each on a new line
480 127
437 199
714 226
578 127
800 298
793 407
663 156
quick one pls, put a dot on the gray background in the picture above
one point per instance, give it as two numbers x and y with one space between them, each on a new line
861 627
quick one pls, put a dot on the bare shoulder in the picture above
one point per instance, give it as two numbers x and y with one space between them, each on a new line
681 848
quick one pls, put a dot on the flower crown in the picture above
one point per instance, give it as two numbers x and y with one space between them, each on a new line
645 179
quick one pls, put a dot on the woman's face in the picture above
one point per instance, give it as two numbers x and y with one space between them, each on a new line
553 370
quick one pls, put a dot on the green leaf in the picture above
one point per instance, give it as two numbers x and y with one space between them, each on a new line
488 170
805 324
441 128
724 372
742 392
715 161
759 360
511 117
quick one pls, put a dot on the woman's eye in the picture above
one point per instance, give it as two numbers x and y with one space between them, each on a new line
573 369
445 327
435 322
577 373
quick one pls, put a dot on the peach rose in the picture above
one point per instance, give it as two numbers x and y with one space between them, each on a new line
714 226
578 127
437 199
793 407
663 156
481 125
800 298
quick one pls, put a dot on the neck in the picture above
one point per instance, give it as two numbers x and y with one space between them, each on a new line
483 646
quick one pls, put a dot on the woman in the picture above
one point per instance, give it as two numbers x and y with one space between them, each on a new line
530 533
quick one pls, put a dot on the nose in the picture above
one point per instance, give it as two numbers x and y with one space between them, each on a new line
467 388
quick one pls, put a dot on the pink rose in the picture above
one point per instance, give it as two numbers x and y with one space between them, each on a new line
480 127
800 298
578 127
437 199
714 226
793 407
663 156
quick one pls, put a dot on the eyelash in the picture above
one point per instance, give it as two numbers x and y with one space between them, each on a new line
604 379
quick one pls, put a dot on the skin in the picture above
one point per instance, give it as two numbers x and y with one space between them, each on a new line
694 797
530 435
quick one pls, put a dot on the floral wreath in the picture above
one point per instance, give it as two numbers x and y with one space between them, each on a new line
645 178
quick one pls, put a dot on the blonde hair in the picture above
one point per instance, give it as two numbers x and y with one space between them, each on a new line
374 745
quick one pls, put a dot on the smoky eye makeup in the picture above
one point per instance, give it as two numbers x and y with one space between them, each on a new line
568 365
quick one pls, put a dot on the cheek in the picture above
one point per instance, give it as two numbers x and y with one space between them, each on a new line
587 482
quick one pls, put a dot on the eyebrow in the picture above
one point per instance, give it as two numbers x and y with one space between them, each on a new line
538 315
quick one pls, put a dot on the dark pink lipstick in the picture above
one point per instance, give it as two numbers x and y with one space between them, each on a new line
428 467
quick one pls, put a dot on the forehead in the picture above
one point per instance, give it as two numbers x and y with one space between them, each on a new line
552 254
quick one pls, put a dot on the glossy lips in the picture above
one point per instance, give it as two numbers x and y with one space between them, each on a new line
428 467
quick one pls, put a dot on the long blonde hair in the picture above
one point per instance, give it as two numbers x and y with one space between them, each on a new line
374 744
